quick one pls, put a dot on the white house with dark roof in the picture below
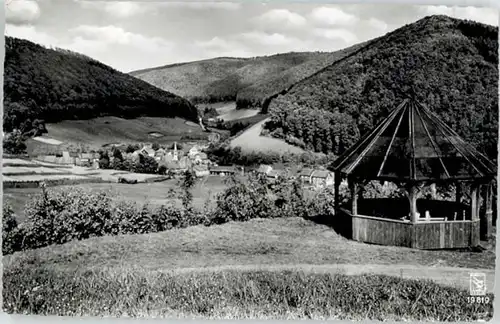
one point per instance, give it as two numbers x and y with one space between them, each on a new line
264 169
305 175
322 178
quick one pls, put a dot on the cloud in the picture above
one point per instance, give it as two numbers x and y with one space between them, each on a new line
485 15
215 43
128 9
332 17
203 5
343 35
32 34
281 18
377 24
117 35
124 9
217 47
274 39
21 12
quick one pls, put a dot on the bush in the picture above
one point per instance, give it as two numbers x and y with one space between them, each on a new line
131 148
147 164
60 216
13 143
162 169
10 231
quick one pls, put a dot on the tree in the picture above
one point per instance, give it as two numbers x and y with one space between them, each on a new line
13 143
103 160
156 146
146 164
131 148
117 154
188 182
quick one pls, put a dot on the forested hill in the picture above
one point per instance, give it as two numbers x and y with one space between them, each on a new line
249 81
54 85
219 79
451 64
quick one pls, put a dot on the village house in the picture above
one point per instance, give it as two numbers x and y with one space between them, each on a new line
305 175
264 169
160 153
322 178
193 152
200 158
84 159
201 171
38 146
222 170
275 174
147 151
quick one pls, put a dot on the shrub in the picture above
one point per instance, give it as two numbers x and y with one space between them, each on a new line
13 143
60 216
11 233
146 164
162 169
131 148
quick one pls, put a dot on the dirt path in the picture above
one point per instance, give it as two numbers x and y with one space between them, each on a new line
450 276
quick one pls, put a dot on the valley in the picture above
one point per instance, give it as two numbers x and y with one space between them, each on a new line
232 184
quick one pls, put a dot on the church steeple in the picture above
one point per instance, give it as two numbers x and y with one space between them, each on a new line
176 154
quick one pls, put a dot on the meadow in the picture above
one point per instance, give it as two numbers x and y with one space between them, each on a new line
251 140
155 193
105 130
287 268
229 112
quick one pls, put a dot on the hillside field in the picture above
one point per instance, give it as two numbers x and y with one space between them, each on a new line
251 140
106 130
229 112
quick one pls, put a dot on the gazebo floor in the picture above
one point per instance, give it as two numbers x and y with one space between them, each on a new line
424 234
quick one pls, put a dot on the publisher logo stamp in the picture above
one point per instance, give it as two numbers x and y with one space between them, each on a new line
478 289
477 284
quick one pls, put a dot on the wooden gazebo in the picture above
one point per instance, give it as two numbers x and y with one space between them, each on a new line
413 147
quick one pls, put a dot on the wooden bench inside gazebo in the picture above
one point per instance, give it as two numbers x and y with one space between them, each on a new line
413 148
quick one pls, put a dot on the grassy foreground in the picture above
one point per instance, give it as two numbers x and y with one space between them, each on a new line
255 242
232 294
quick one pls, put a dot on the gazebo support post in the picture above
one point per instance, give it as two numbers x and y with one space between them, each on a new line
475 226
486 234
458 192
473 201
353 188
413 192
338 181
458 200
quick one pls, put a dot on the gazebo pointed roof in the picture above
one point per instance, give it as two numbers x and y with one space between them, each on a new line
413 144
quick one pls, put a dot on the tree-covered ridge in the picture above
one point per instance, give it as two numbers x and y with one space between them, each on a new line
451 64
54 85
222 79
260 93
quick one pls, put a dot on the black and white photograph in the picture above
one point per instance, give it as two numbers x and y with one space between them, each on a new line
274 160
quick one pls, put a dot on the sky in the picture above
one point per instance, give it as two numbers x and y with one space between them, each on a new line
136 35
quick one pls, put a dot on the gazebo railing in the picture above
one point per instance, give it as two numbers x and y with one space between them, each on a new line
422 235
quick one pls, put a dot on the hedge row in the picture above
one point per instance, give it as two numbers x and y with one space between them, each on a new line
50 183
60 216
